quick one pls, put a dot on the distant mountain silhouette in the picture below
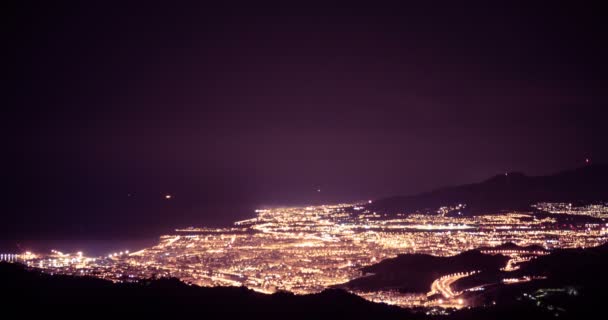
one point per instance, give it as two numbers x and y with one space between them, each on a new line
508 191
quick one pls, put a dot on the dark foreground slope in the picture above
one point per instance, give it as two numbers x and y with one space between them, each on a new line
32 293
416 272
511 191
170 295
573 267
584 269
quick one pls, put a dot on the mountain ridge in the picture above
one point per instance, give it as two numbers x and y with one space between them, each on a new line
508 191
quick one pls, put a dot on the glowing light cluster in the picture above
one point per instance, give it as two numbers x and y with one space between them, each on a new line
308 249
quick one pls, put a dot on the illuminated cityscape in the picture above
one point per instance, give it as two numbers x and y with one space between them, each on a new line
308 249
398 160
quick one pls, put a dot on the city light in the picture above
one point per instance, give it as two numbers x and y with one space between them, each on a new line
308 249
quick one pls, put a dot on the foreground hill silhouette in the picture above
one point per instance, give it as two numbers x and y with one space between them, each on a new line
577 267
59 291
34 293
416 272
575 281
513 246
509 191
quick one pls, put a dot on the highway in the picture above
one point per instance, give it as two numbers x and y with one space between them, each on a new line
443 284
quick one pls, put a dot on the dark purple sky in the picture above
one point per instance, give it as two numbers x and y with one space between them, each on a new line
235 107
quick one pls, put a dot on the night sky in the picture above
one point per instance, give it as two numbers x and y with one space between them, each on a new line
112 106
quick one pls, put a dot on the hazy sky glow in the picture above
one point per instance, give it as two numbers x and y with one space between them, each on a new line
112 107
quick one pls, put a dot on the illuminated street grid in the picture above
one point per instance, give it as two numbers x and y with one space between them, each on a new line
307 249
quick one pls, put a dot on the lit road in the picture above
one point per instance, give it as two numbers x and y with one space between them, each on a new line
443 284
